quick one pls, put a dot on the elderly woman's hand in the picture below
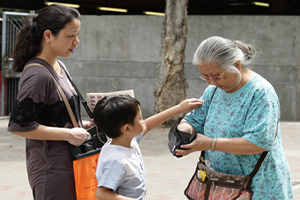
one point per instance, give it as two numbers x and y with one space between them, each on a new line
200 143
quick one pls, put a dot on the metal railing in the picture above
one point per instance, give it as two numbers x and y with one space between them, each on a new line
11 23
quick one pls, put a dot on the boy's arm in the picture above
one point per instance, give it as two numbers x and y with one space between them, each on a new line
104 193
185 106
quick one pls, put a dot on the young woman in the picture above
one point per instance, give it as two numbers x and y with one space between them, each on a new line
39 114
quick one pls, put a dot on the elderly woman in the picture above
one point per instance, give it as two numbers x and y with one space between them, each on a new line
239 119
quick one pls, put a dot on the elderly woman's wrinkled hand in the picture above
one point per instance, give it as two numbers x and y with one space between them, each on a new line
200 143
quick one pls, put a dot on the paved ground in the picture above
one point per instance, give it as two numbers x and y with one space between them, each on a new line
167 176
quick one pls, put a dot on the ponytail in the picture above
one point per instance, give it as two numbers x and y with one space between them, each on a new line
28 44
248 51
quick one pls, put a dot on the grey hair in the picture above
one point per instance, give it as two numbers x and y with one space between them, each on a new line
224 53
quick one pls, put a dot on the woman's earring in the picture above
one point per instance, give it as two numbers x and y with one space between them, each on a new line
48 40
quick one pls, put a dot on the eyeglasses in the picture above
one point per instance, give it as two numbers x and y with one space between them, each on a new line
206 78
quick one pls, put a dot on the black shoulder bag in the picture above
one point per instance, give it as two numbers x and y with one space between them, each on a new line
94 144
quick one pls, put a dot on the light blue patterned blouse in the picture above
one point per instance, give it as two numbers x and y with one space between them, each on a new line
252 112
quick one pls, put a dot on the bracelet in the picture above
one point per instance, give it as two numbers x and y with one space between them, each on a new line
213 145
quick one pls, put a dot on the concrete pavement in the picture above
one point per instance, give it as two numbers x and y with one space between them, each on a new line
167 176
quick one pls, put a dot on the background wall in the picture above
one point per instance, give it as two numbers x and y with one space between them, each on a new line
121 52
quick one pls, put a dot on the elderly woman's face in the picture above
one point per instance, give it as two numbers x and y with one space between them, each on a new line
217 76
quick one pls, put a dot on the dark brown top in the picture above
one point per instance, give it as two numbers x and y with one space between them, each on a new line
49 163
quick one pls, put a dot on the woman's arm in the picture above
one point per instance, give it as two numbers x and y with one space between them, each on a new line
186 127
103 193
75 136
239 146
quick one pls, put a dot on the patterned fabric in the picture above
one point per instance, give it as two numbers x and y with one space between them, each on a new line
196 189
252 112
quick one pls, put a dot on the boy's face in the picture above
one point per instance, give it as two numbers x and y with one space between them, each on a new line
138 124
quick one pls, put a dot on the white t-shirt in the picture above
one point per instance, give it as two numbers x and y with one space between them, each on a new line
122 169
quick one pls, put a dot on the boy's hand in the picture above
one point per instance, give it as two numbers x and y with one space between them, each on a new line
190 104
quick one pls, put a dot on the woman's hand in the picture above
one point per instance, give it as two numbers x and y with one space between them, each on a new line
200 143
77 136
87 124
190 104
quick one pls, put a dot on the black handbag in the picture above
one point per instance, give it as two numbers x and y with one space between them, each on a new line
91 146
94 144
178 138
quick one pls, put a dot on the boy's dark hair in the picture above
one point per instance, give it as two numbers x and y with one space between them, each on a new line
112 112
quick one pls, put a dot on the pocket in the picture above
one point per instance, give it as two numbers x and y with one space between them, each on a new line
245 195
196 189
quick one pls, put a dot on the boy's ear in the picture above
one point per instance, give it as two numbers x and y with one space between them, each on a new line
125 128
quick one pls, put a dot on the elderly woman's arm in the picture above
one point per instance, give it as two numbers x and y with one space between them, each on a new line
238 145
186 127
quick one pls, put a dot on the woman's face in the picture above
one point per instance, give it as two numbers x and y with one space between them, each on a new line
228 82
64 43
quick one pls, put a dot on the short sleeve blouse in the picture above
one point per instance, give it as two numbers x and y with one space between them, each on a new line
252 112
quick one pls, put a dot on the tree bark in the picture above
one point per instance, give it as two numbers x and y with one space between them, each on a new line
170 87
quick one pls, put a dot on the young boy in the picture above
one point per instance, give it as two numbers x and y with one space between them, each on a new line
120 171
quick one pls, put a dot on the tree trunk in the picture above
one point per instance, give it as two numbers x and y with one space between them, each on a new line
170 87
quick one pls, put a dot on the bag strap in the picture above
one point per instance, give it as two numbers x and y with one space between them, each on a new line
213 94
75 124
259 162
83 101
201 158
257 166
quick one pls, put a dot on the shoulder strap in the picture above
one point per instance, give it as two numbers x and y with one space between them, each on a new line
257 166
201 158
75 124
83 101
213 94
260 160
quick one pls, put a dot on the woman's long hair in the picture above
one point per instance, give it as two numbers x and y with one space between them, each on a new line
29 38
